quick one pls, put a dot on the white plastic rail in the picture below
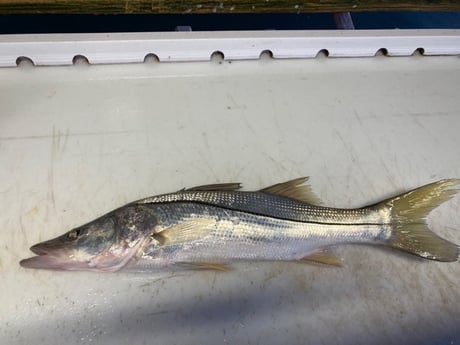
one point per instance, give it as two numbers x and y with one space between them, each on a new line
61 49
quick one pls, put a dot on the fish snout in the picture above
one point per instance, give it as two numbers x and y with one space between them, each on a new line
38 249
45 248
49 256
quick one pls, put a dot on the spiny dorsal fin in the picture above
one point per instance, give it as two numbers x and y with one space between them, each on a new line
324 258
186 231
294 189
215 187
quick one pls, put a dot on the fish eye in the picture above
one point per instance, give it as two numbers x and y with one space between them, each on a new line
73 234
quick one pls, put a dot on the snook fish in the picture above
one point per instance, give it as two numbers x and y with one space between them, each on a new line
209 227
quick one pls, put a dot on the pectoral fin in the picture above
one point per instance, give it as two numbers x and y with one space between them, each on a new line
294 189
186 231
323 258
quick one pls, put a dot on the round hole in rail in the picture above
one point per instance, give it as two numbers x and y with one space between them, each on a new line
382 52
323 53
151 58
266 55
418 52
80 60
24 61
217 56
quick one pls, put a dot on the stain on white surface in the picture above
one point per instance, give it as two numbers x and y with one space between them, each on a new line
78 142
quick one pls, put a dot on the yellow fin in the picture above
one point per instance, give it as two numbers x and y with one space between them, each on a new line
295 189
410 232
216 187
212 266
186 231
323 258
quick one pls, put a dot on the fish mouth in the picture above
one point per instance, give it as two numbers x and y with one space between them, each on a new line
50 262
51 257
55 255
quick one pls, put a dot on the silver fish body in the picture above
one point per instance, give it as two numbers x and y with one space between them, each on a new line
223 235
211 226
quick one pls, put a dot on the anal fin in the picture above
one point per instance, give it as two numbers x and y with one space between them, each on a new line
205 266
323 258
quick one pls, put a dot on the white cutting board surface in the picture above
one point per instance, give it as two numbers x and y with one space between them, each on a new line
78 141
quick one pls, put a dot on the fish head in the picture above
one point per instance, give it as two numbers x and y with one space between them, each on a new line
104 245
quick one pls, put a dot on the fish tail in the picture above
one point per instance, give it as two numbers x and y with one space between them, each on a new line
410 232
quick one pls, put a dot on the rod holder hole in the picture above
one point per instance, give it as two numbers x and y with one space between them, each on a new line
151 58
266 55
323 53
217 56
80 60
418 52
382 52
24 61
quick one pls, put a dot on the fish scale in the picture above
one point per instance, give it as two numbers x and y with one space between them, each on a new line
252 236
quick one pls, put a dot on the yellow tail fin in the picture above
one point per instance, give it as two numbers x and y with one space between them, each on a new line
410 231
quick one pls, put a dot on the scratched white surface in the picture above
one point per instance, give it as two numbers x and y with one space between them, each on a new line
76 142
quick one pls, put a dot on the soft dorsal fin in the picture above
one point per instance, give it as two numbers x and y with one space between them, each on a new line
215 187
294 189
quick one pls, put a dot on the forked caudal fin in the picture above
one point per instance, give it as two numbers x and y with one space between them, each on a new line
410 231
